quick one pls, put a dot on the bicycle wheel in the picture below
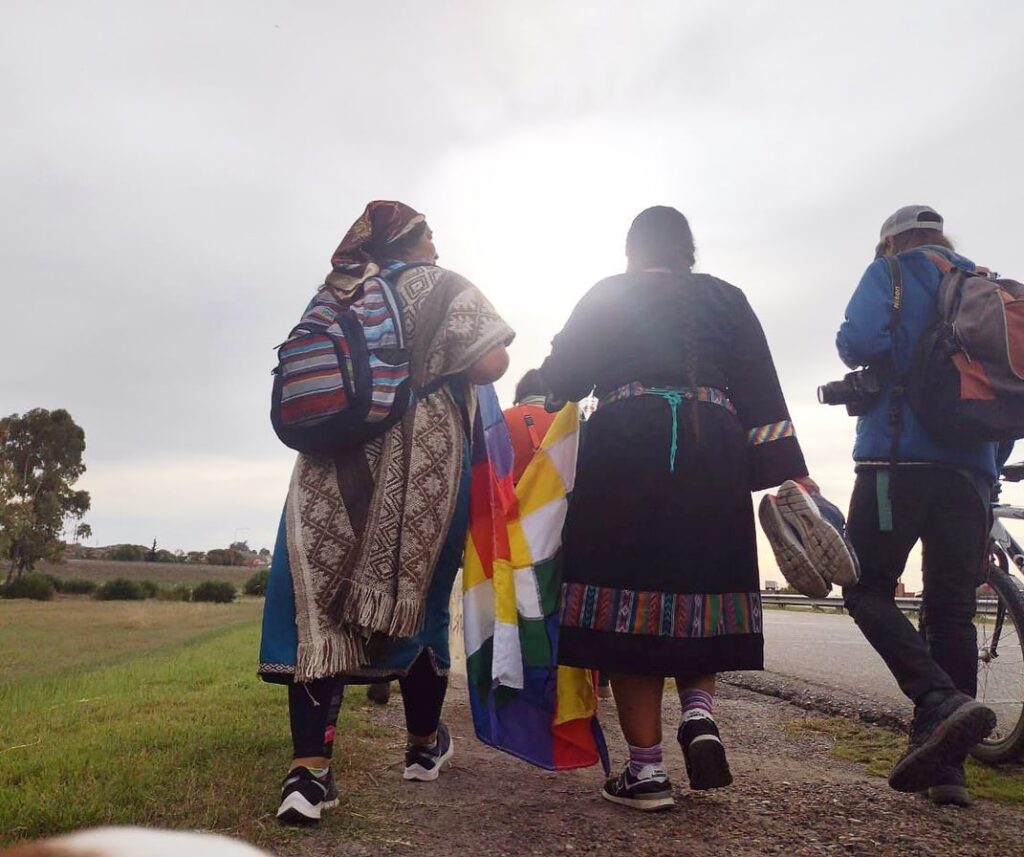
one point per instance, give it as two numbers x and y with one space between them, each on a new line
1001 669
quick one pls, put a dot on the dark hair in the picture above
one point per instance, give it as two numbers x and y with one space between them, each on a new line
385 252
660 237
531 384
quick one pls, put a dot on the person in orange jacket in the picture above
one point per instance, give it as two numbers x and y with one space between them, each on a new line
527 420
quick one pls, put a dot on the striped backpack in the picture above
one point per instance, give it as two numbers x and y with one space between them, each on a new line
342 376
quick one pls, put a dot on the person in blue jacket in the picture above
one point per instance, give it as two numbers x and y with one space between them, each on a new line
912 487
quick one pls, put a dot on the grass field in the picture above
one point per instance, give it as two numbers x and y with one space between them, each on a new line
163 573
40 639
148 713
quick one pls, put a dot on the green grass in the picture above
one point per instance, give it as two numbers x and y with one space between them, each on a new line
186 736
39 639
878 749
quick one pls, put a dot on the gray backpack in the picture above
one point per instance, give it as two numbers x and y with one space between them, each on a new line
966 379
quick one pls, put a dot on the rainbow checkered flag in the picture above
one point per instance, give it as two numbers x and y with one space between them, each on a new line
522 701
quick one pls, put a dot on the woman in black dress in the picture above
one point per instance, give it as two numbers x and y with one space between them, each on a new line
661 575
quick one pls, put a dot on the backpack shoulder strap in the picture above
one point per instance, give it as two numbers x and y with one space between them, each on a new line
531 429
896 276
939 261
898 390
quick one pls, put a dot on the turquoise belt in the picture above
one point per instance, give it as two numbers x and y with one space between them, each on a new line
674 396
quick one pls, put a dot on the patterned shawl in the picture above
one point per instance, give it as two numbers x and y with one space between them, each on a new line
365 528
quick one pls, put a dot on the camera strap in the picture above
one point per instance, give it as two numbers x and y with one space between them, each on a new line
896 396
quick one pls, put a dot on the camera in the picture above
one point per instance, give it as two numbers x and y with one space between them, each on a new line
857 390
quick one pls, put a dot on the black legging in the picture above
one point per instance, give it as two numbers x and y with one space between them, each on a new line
313 707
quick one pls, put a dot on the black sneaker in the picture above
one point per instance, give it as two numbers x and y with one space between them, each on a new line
379 692
304 795
949 787
423 764
648 792
706 765
943 735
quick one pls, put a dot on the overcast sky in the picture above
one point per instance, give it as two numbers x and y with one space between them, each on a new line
175 177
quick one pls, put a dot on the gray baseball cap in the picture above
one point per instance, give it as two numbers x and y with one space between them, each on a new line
911 217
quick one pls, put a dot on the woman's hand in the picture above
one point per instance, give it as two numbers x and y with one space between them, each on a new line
808 484
490 367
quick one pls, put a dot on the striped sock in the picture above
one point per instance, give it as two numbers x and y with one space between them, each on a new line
640 757
696 704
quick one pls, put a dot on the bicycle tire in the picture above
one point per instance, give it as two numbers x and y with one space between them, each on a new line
1008 744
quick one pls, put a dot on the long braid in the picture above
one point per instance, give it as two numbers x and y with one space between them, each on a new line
660 237
690 345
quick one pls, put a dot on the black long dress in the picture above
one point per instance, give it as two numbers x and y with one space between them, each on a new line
660 552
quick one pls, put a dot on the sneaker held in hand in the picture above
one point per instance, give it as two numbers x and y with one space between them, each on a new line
808 535
837 562
790 554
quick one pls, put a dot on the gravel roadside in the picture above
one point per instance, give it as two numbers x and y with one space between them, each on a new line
789 797
823 699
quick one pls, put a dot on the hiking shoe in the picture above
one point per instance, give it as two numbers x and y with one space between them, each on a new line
949 787
424 763
790 555
821 529
304 795
648 792
379 692
706 765
943 734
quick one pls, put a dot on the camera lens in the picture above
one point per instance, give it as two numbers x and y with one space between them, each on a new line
834 393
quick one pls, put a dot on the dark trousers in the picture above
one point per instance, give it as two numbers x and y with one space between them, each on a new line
945 510
313 707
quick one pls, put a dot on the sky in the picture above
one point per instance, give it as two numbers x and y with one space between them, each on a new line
175 177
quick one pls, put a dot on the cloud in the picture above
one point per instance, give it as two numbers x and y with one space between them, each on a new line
188 502
177 177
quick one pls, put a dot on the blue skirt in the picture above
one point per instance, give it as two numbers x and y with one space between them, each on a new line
279 646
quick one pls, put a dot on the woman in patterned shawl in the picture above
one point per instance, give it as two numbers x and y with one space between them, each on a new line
371 539
661 576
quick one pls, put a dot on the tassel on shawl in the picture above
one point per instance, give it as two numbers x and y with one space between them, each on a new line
329 655
361 607
409 613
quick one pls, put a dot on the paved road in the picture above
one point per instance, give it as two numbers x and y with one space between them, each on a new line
827 649
827 652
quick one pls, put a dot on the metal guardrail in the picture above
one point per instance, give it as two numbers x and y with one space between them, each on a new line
986 606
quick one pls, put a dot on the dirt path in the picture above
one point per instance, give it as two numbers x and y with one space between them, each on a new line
790 797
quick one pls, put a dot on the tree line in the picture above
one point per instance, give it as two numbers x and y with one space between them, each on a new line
40 462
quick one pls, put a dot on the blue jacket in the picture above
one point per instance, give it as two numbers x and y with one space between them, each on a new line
864 337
